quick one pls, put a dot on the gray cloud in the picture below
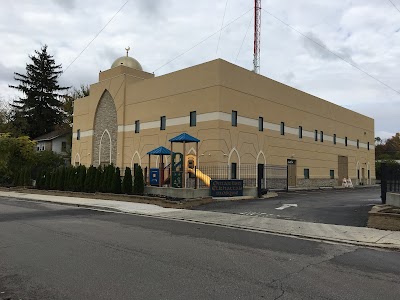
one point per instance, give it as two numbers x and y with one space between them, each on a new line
66 4
319 52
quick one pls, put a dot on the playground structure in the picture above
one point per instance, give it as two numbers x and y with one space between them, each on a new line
180 165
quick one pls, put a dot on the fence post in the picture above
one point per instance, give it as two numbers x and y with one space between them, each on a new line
383 182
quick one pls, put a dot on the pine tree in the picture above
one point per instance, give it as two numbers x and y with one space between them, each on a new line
98 179
40 108
127 182
116 183
138 182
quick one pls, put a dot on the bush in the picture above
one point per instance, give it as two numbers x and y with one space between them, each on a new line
98 181
90 180
127 182
116 183
108 177
138 182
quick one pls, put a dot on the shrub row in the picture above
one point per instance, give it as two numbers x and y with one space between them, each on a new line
91 180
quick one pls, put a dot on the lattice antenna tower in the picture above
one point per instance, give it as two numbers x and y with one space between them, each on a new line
257 35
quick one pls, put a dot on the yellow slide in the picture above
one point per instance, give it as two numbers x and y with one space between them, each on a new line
203 177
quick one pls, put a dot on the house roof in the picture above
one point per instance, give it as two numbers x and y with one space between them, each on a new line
184 137
51 135
160 151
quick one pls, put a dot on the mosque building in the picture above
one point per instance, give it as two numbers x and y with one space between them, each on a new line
240 118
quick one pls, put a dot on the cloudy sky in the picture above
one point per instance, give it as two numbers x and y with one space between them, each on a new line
363 32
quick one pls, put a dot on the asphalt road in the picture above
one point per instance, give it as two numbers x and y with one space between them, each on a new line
341 207
51 251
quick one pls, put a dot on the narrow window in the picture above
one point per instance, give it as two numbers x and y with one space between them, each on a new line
78 134
315 135
306 173
63 146
300 132
368 146
332 174
322 136
193 119
233 171
334 139
345 141
282 128
137 126
260 124
369 174
162 123
358 174
358 144
234 118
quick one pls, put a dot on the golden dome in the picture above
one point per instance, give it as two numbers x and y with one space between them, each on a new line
127 61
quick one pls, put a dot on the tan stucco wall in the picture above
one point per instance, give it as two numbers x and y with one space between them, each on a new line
220 87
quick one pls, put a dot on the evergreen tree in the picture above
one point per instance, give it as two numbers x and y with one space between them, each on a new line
116 183
47 180
98 179
138 182
81 176
127 182
90 180
40 108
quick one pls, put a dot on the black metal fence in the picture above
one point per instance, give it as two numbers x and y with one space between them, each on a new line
272 178
390 179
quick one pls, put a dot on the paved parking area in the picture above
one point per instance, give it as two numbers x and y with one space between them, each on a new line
341 207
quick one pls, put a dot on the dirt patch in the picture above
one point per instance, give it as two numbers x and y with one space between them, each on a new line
384 217
156 200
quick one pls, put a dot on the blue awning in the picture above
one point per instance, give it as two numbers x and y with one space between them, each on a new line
184 137
160 151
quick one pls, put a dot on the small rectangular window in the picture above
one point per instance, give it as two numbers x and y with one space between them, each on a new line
358 144
322 136
345 141
282 128
316 135
332 174
334 139
300 132
78 134
368 146
163 122
234 118
260 124
306 173
193 120
137 126
63 146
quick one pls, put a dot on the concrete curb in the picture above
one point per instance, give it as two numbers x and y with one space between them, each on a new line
357 236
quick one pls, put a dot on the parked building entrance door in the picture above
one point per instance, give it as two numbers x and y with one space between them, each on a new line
292 172
343 168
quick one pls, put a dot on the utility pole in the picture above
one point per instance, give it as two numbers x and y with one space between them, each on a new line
257 35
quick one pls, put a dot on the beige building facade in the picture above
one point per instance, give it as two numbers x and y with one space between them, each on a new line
241 119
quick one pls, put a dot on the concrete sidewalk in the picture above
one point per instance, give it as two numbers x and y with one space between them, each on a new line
324 232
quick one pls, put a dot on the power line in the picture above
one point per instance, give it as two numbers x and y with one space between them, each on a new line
394 6
241 46
333 53
222 24
205 39
87 46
